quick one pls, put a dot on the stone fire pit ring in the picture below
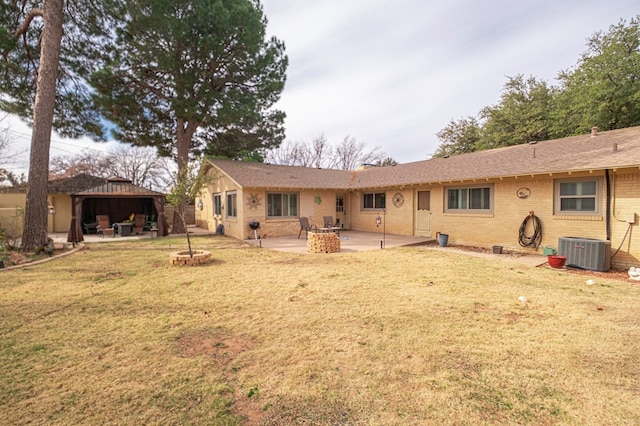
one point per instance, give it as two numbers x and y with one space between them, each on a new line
182 258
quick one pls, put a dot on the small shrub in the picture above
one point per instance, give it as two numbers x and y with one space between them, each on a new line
11 231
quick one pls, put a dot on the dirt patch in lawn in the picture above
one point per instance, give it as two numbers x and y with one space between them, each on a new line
222 346
225 348
614 274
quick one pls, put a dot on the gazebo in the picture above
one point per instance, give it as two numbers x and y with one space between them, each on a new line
118 198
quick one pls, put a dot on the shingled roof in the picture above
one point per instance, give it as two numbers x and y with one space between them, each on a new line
65 185
259 175
604 150
74 184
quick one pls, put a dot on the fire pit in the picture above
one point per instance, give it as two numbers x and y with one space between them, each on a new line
183 258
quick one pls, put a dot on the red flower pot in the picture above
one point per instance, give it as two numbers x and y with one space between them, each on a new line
556 261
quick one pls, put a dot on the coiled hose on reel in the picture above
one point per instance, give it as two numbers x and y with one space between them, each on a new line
535 239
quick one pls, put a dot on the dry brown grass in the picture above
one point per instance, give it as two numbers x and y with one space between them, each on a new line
115 335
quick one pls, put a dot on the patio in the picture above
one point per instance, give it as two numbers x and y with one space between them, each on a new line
350 242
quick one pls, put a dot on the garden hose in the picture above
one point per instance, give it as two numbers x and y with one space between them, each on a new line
535 239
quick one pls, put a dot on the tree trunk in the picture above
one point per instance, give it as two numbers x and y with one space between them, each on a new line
35 215
184 134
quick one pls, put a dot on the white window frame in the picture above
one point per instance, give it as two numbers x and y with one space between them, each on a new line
465 197
558 197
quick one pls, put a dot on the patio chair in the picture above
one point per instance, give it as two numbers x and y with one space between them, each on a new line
138 223
88 227
104 226
328 222
306 226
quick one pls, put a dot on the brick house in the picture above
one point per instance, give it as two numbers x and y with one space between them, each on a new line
585 186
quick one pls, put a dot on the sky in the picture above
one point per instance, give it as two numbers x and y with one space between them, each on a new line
393 74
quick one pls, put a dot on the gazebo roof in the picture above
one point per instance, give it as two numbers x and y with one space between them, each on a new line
74 184
118 187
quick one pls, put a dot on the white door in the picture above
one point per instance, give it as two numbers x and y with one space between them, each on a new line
341 210
423 213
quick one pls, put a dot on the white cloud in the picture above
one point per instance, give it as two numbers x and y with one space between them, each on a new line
19 136
392 74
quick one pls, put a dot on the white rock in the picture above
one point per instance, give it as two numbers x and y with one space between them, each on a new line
634 273
522 299
591 282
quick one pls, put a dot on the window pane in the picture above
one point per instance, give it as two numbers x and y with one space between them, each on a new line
457 199
367 201
282 205
578 188
578 204
480 198
579 196
568 188
290 207
231 205
217 204
424 200
587 188
373 200
274 204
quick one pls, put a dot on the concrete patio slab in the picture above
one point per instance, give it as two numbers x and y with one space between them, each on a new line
350 242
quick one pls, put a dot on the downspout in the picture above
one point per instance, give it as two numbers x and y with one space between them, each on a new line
608 207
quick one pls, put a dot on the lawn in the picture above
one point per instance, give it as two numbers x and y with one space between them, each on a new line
115 335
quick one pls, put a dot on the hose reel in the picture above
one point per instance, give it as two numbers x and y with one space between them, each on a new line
535 239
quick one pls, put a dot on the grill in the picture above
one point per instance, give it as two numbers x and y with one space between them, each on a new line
254 225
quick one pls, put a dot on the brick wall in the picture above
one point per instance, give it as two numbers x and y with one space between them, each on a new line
499 227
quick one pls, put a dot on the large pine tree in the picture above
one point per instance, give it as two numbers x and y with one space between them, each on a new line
194 77
48 49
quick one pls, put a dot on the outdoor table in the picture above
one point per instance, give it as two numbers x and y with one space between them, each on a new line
125 229
335 229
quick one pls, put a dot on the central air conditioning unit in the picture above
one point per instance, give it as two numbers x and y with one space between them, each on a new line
585 253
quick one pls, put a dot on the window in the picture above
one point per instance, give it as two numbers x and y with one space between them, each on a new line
232 204
577 196
283 204
470 199
424 200
373 200
217 204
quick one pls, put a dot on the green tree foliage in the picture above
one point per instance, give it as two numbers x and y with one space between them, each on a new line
48 47
521 116
85 36
388 161
194 77
459 137
602 90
